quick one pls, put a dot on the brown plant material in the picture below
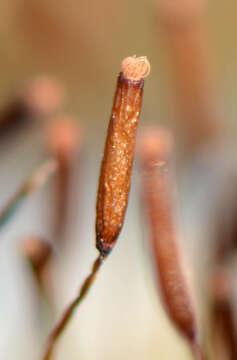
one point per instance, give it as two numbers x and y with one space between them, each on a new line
32 183
116 167
223 326
114 181
38 252
191 65
155 150
64 138
223 321
66 316
13 116
224 222
180 12
39 97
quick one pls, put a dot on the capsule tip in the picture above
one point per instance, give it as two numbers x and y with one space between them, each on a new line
135 68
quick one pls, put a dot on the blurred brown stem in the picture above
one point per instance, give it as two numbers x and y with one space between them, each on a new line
62 189
32 183
190 60
198 353
64 139
223 317
155 150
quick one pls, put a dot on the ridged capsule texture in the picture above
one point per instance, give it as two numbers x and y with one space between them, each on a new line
157 193
115 173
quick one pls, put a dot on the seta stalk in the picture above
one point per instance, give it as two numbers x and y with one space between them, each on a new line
31 184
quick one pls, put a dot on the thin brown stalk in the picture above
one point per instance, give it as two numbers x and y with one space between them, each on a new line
223 326
198 352
223 321
158 197
32 183
63 321
115 173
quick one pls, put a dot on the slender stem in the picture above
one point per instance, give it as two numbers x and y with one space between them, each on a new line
198 352
66 316
10 208
224 327
29 185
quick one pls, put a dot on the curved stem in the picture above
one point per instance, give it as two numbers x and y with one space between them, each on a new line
32 183
198 352
66 316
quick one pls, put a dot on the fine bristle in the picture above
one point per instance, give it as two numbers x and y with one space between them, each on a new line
135 68
40 175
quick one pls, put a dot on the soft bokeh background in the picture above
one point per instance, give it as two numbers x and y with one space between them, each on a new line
81 43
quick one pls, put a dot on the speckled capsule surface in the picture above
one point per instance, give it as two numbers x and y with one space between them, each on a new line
115 173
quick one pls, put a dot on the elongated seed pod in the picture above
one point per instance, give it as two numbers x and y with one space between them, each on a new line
116 167
155 150
114 181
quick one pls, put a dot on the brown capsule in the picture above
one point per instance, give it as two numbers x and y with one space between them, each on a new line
116 167
114 181
157 192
